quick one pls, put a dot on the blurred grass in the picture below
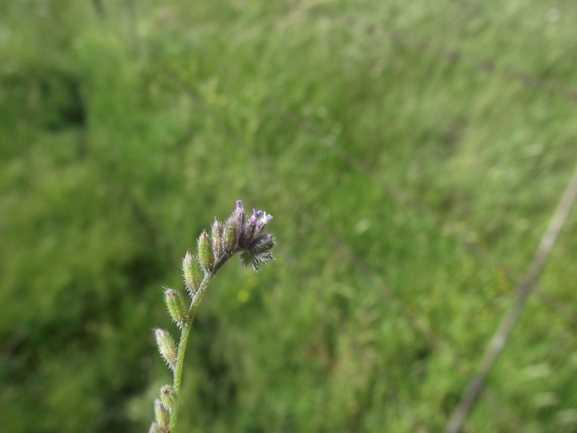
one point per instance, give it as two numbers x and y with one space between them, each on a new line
367 129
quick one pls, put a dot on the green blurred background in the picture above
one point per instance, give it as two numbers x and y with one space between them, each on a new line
411 153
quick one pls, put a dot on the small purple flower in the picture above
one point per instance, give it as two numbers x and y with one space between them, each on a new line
265 218
253 245
246 237
262 222
250 228
255 215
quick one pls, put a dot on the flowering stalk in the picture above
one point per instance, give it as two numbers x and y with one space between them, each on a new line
235 235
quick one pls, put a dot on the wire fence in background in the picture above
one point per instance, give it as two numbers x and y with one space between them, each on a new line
406 200
341 246
524 288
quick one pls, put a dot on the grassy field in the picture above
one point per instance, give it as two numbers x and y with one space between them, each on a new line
412 155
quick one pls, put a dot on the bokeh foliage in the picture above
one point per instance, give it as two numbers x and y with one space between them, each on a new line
385 138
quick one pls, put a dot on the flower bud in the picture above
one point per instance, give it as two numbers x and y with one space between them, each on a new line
217 233
205 252
168 397
175 306
238 216
166 347
192 273
162 415
249 228
229 235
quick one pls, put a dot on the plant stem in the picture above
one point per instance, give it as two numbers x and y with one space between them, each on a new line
177 375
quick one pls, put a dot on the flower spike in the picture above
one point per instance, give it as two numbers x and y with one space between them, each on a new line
235 235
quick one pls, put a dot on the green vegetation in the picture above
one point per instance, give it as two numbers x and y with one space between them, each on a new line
384 137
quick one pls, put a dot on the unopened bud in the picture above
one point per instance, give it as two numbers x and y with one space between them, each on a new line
192 273
217 233
205 252
229 235
249 228
166 347
238 216
162 415
175 306
168 397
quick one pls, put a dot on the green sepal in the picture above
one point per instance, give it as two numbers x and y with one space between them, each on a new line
162 415
166 347
176 307
229 235
168 397
217 232
205 252
155 428
192 273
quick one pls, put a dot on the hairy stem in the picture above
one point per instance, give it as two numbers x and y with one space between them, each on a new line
177 375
